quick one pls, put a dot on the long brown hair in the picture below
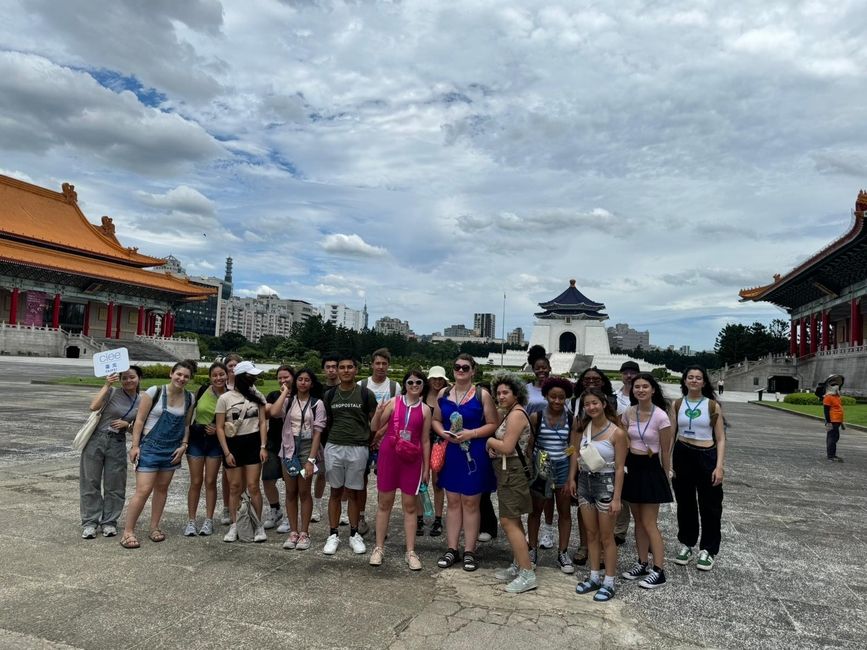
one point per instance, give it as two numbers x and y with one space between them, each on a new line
610 413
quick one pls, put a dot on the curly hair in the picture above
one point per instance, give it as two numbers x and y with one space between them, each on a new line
557 382
513 381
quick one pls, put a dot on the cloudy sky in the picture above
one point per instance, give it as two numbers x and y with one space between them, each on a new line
429 156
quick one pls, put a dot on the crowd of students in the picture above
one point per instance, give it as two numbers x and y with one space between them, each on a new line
539 446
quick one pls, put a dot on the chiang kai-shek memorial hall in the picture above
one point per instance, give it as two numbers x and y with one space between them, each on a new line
826 298
69 288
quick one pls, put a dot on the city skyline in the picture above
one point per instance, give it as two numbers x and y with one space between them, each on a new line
665 158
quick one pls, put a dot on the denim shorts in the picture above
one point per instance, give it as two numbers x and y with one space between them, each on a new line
156 458
204 447
595 489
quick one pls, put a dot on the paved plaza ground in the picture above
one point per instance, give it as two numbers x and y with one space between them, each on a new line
794 537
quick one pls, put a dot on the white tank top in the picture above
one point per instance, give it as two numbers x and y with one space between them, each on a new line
693 420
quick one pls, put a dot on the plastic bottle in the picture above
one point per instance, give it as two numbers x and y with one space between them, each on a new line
425 500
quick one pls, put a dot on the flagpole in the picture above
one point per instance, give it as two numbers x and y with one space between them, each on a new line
503 343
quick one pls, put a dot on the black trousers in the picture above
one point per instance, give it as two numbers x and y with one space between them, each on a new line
697 499
487 516
832 438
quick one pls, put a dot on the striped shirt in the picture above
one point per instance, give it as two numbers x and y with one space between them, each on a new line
553 439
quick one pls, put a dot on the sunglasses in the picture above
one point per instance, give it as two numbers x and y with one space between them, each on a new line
414 382
592 380
460 367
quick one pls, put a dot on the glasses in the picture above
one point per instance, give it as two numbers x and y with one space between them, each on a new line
414 382
592 380
460 367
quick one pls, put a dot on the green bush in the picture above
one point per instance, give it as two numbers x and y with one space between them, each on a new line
801 398
156 371
848 401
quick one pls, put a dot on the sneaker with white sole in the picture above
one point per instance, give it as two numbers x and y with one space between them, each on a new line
413 561
108 530
88 532
331 544
291 541
260 535
344 516
508 574
636 571
684 556
207 527
303 542
357 544
231 534
546 539
655 580
485 537
273 516
376 556
316 515
704 561
363 527
225 516
525 581
190 529
284 527
565 563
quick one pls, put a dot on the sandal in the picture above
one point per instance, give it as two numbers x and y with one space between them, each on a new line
471 562
157 535
448 558
130 541
604 594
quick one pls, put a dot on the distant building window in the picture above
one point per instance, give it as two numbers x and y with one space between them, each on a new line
755 381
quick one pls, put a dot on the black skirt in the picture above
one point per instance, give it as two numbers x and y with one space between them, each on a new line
645 480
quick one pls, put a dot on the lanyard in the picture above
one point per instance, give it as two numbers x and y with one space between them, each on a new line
464 396
303 410
132 403
407 412
638 425
691 411
556 429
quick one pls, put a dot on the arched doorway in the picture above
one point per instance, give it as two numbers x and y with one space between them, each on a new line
568 342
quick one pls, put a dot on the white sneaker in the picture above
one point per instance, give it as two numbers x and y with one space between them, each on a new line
485 537
357 544
272 517
546 539
344 517
225 516
232 534
316 516
109 530
331 544
190 529
207 527
89 532
284 527
260 535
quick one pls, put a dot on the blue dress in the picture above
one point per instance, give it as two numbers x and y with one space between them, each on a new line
459 474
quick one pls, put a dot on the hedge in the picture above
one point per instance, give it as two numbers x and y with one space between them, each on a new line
811 400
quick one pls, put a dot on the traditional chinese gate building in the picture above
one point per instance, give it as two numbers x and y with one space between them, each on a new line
68 287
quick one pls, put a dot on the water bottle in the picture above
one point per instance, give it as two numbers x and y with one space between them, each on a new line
425 500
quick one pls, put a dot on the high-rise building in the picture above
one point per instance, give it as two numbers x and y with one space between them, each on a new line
516 337
342 316
625 338
389 325
264 314
485 325
199 317
460 331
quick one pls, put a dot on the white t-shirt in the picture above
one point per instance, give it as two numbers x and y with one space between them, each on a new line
383 390
622 401
157 409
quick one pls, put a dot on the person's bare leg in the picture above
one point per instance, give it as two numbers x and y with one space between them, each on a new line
454 519
408 503
470 508
515 534
144 485
383 514
197 479
212 469
158 502
252 475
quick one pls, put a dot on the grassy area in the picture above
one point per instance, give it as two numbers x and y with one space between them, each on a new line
856 414
266 386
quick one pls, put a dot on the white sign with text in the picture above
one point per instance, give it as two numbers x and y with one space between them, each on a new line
110 362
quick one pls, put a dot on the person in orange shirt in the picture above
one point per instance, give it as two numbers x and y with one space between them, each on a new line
833 419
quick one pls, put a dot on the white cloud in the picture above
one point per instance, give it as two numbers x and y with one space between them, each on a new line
261 290
350 245
180 199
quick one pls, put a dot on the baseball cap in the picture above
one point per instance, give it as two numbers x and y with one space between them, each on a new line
436 372
627 365
247 368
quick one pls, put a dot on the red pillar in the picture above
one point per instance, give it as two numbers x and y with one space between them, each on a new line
119 314
86 328
802 341
108 319
826 331
168 328
139 328
793 339
55 313
814 333
13 308
152 323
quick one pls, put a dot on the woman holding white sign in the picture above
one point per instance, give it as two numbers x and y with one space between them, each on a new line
102 479
159 439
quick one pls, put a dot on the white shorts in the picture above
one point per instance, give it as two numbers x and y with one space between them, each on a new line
345 465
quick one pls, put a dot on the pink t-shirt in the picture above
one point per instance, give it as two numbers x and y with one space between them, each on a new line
647 438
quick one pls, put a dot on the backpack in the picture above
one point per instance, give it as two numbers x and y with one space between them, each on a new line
392 386
247 522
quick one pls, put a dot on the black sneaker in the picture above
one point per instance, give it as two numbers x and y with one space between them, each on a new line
437 529
419 527
636 571
653 580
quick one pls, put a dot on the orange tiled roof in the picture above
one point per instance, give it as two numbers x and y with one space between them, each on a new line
40 215
39 256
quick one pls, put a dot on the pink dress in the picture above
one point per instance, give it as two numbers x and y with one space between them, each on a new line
393 471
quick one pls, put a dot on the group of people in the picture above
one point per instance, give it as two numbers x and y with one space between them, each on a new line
540 445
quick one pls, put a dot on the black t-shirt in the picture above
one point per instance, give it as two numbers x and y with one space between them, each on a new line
275 426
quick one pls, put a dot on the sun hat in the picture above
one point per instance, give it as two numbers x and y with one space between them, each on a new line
437 372
247 368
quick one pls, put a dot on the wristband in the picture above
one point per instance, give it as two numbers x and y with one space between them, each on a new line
262 446
311 460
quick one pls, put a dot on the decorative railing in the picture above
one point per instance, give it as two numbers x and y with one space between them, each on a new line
163 339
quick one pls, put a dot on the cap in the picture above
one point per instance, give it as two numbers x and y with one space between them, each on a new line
627 365
437 372
247 368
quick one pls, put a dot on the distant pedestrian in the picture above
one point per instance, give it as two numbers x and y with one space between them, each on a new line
833 406
721 386
102 478
697 464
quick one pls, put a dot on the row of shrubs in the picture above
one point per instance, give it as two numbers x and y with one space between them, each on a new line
810 399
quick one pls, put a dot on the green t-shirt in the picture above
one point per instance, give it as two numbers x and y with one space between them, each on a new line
350 425
205 407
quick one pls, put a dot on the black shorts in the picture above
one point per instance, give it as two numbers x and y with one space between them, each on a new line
245 449
272 468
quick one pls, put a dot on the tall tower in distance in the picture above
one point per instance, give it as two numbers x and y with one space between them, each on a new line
227 280
364 311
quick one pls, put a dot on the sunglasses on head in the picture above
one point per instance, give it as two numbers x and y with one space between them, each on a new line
414 382
462 367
